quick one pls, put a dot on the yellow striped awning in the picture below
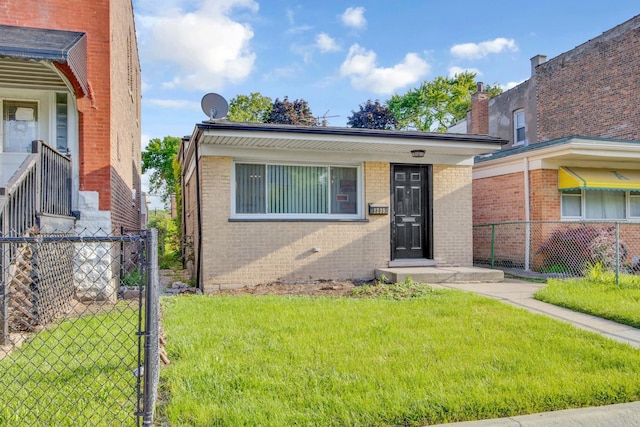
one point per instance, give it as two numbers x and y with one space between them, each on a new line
598 179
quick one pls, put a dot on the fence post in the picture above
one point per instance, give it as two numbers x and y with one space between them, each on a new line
527 246
151 342
122 261
617 253
4 296
493 241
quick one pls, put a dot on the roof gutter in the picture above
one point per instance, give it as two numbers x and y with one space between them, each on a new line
343 131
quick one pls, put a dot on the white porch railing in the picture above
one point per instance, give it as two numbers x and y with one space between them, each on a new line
40 185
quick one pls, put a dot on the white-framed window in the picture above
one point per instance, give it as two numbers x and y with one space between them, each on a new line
62 122
519 128
600 205
572 204
634 204
295 191
28 114
19 125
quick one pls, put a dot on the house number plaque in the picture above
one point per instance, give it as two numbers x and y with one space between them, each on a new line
375 209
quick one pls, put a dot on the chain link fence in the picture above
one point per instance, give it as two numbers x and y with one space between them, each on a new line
558 248
78 329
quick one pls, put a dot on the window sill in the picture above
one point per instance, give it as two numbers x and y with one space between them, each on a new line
604 220
298 220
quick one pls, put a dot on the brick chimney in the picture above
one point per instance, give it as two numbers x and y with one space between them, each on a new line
535 61
480 111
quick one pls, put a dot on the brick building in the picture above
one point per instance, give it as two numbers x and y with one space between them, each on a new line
284 203
574 136
573 154
70 74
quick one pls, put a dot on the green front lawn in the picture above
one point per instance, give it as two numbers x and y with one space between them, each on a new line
426 357
75 373
597 294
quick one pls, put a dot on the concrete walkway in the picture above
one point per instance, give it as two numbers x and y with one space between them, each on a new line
520 294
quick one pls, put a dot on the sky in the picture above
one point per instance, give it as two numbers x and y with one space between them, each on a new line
336 55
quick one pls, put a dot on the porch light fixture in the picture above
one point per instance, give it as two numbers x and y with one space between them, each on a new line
417 153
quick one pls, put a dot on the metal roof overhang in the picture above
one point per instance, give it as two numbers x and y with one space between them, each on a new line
598 179
574 151
363 144
67 48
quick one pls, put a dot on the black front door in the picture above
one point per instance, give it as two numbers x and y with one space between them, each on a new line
411 205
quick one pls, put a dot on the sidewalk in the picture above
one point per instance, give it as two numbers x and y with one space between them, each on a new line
520 294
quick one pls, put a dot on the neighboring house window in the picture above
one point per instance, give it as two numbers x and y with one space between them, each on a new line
19 125
519 128
62 136
44 115
572 204
601 205
296 191
634 204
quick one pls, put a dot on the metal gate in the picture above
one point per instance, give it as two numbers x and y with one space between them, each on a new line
79 329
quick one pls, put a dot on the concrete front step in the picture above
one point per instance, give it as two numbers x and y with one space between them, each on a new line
440 274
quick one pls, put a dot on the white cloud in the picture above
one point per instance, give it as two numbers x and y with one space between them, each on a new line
354 17
144 85
299 29
360 67
455 70
482 49
510 85
181 104
290 16
282 72
326 43
144 141
304 51
205 48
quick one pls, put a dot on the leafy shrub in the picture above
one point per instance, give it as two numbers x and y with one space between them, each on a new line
603 248
131 279
571 250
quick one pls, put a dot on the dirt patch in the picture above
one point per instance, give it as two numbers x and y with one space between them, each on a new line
321 288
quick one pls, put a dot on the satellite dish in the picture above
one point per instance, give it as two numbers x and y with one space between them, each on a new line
214 106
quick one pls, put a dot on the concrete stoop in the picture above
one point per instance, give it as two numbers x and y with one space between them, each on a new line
440 274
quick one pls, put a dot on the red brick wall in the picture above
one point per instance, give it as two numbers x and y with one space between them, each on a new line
507 204
490 205
98 128
545 197
593 90
125 95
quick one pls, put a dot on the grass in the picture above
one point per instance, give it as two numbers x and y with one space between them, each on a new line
387 358
526 279
597 294
75 373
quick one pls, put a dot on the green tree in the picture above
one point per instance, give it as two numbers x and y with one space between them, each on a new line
291 113
159 158
437 104
372 115
168 238
253 108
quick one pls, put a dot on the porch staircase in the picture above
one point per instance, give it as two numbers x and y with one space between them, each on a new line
32 186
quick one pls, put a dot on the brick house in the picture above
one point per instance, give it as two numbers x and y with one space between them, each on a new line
294 203
574 143
576 117
70 75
